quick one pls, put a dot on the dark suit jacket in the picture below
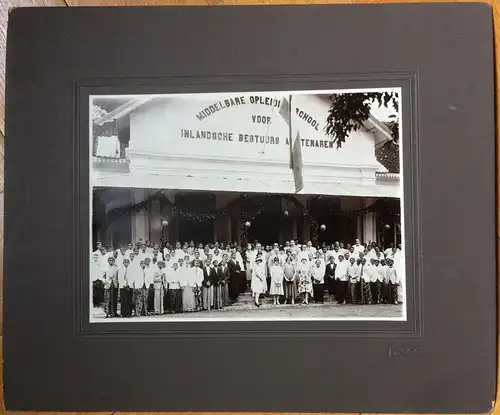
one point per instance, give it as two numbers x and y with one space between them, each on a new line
330 270
223 274
209 275
234 268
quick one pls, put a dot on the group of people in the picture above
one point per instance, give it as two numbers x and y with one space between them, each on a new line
148 279
357 274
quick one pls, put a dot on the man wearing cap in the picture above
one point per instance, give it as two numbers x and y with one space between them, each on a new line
150 273
126 293
330 275
393 282
224 278
342 278
141 290
377 282
111 288
294 247
242 278
159 281
96 275
318 280
99 248
103 258
352 273
310 249
209 278
234 269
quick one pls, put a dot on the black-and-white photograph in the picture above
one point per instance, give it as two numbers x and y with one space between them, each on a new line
247 206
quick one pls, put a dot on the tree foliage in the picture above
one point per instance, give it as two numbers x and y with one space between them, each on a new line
348 112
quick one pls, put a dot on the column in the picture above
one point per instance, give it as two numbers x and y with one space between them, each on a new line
173 229
235 226
359 228
294 228
155 222
306 232
222 229
140 220
229 226
369 223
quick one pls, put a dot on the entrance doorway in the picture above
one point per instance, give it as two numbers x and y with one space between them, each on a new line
265 228
193 220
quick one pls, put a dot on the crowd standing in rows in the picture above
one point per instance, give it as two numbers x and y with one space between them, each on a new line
146 279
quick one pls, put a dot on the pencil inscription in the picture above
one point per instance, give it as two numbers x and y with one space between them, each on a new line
403 351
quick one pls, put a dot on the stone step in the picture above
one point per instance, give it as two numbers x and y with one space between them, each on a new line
244 301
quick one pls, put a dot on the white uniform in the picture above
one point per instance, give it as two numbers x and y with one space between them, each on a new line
96 271
341 271
359 248
318 273
352 272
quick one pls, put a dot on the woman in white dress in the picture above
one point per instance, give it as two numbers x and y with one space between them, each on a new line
258 279
276 288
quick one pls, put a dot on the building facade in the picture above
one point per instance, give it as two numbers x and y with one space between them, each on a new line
217 168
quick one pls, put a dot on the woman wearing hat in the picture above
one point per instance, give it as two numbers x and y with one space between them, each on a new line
304 279
276 286
258 279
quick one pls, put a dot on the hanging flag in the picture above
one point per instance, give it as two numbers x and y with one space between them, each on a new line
285 110
295 145
297 164
286 113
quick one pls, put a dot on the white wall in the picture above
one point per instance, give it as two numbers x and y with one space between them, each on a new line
161 157
157 128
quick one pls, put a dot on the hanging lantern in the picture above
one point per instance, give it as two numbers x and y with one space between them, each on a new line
286 213
247 224
164 222
323 227
387 226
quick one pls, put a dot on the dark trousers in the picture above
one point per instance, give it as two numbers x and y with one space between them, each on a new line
114 300
126 295
97 293
319 293
151 299
376 291
331 286
165 300
341 291
243 281
352 297
384 293
234 286
392 293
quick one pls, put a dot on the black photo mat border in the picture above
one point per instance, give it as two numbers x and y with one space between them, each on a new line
442 359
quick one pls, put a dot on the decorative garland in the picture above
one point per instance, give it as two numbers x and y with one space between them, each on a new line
245 216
